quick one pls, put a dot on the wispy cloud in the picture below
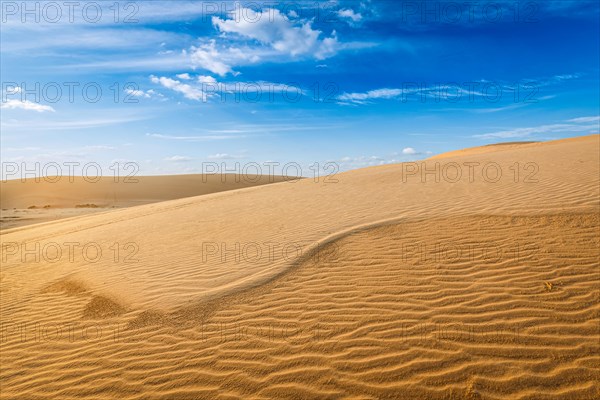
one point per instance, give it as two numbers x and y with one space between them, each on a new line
47 124
419 90
241 131
489 91
225 156
362 98
200 138
498 109
585 119
576 125
178 158
97 147
172 61
204 87
406 154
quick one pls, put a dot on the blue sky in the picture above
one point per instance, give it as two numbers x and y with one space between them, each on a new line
358 83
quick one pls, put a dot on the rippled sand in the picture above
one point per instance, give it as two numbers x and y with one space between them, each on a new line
386 284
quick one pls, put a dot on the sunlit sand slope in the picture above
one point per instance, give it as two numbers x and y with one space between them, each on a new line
385 284
490 148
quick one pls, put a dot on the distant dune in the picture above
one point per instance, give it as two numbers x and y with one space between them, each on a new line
107 193
47 199
470 275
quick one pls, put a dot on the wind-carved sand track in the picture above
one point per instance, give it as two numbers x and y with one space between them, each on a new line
205 308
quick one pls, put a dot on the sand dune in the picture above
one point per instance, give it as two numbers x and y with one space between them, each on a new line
32 200
474 275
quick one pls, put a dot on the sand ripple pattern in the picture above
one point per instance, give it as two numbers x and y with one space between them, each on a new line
404 290
419 309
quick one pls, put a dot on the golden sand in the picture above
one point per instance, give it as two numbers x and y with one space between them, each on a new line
473 275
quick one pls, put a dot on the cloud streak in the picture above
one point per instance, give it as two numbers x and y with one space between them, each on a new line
14 104
576 125
199 138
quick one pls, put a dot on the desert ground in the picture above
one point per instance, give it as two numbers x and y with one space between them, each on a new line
471 275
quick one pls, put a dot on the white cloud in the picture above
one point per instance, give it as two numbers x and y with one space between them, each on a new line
178 159
206 79
13 104
266 35
12 89
138 93
278 31
567 77
349 14
224 156
208 57
185 76
362 98
188 91
349 163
